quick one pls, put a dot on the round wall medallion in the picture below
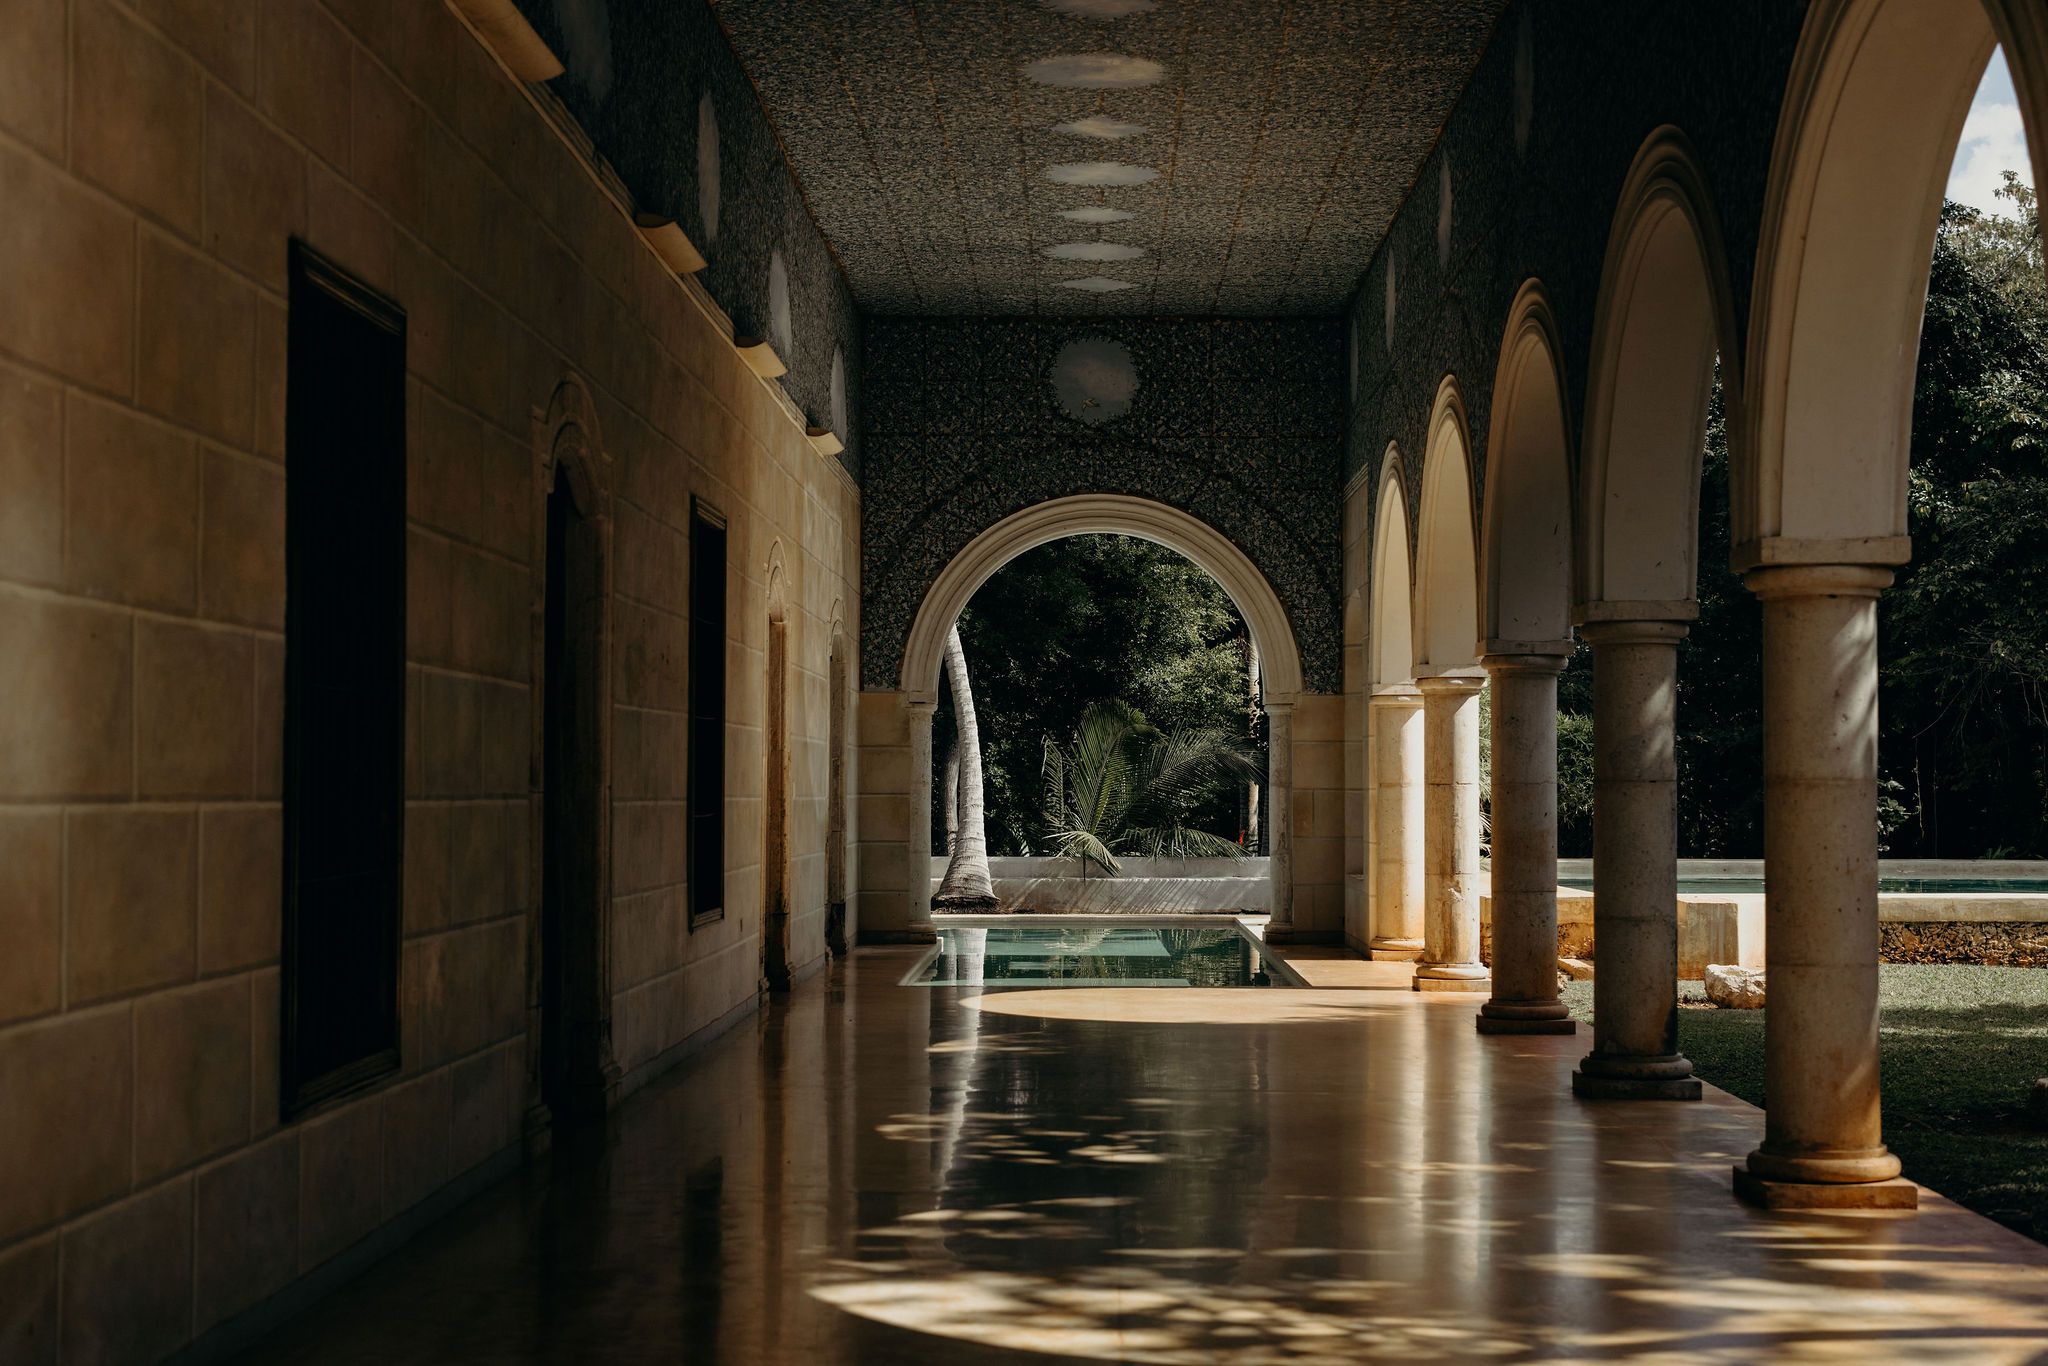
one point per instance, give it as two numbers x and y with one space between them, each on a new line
707 167
1094 379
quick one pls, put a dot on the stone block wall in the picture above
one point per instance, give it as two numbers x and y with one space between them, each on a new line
1319 803
155 157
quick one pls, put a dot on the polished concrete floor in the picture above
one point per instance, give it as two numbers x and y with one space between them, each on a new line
879 1174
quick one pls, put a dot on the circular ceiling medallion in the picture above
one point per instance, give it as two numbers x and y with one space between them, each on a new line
1099 126
1099 173
1092 251
1097 284
1095 213
1096 71
1094 378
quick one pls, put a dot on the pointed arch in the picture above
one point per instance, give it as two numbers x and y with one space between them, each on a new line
1665 310
1446 549
1874 106
1526 537
1393 577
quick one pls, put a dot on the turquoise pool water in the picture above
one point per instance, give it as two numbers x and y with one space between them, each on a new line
1092 956
1738 886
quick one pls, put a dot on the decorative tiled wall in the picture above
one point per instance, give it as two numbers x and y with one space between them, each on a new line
740 206
1236 421
1531 162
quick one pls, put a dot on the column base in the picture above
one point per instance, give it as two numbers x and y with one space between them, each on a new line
1394 950
1609 1076
1525 1017
1895 1193
1284 935
1466 977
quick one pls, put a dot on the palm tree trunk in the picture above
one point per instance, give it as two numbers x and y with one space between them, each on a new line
1251 802
966 885
949 791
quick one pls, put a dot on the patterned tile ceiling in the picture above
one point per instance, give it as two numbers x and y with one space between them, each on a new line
1107 156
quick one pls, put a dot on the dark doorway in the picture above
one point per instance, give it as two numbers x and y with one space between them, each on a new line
835 803
574 1022
775 851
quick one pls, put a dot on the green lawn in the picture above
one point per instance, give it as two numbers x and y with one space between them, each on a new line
1960 1046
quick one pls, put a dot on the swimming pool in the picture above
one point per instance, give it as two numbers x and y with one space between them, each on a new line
1095 955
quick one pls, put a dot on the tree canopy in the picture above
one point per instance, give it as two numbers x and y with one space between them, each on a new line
1099 619
1963 649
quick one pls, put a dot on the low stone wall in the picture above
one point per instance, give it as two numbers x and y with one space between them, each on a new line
1143 887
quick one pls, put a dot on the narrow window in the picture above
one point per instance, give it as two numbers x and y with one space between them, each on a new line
706 870
344 704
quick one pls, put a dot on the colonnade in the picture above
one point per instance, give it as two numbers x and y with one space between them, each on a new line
1823 1144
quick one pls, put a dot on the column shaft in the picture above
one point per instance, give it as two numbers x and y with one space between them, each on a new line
1279 820
1397 883
1450 761
918 859
1823 1128
1524 848
1635 866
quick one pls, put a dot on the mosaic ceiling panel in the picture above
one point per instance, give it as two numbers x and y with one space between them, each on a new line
1107 156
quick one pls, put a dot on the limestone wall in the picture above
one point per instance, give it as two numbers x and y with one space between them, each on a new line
155 156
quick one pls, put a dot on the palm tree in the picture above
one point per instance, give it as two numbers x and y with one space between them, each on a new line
966 885
1125 788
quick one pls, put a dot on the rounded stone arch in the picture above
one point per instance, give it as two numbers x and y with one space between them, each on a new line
1526 515
566 437
1123 515
1116 514
1446 548
1393 577
1874 106
1665 310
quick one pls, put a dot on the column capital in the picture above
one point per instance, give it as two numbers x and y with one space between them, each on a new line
1457 684
924 702
1498 664
1818 581
1666 632
1395 695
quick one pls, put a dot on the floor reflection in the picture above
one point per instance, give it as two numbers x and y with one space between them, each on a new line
874 1173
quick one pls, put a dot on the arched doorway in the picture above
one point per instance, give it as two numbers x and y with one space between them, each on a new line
1526 622
1664 313
1875 103
1446 622
1394 833
1265 618
571 1072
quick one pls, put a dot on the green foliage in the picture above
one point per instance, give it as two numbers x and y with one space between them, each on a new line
1963 655
1964 638
1095 619
1122 787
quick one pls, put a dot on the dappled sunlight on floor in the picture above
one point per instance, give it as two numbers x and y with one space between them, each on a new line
882 1174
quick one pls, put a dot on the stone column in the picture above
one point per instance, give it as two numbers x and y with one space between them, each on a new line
918 837
1823 1137
1279 820
1635 866
1450 769
1524 848
1397 823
